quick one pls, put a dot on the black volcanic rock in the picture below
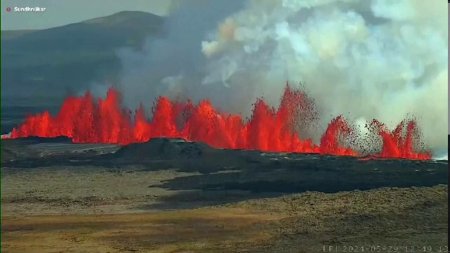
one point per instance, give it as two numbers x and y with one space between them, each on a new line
51 150
163 148
223 169
36 139
163 153
12 149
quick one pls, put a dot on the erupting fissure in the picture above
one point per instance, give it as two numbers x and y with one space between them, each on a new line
85 120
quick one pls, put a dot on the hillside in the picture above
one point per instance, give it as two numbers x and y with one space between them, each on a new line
49 63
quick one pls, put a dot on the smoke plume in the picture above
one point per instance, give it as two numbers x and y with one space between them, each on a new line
380 59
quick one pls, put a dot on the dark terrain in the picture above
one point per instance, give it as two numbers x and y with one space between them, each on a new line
176 196
219 170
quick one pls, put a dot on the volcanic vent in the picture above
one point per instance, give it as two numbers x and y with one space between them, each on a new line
86 119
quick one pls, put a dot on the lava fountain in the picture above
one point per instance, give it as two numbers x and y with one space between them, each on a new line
86 119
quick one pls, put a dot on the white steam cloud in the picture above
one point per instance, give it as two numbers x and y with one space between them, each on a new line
383 59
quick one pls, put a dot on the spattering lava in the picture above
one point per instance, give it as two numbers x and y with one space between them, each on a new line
88 120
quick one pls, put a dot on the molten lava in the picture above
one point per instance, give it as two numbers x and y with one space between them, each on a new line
85 120
400 142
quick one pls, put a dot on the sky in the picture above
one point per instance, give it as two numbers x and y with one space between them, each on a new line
62 12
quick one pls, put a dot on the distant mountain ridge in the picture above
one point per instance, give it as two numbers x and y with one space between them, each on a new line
51 62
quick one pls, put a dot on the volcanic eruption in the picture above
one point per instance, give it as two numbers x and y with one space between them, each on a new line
86 119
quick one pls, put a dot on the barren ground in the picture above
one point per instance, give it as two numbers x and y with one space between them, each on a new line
62 198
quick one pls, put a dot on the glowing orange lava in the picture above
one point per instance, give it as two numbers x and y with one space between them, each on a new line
87 120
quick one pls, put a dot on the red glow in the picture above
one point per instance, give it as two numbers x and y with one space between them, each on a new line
86 120
329 143
397 143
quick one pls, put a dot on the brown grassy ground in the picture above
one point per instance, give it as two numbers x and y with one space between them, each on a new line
197 230
293 223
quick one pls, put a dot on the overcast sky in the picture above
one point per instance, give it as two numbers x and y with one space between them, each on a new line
62 12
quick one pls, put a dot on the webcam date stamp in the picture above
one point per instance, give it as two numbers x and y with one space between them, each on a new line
385 248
